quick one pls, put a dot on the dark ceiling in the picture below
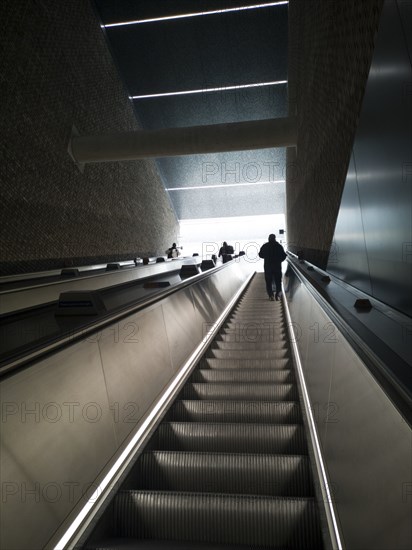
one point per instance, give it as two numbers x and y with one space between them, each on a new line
234 48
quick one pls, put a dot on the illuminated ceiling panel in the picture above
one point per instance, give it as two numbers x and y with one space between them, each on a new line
228 48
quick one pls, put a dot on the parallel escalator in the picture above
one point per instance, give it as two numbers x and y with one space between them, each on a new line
228 466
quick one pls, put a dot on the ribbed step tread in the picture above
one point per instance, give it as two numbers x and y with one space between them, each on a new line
262 412
231 438
274 325
140 544
281 412
260 321
245 345
239 391
273 341
216 363
258 337
215 518
248 354
248 474
260 376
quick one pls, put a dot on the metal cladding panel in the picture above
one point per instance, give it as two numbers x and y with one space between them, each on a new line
56 435
382 156
208 301
405 12
245 200
135 359
365 442
349 247
183 331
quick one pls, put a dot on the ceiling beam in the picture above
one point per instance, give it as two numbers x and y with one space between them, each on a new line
172 142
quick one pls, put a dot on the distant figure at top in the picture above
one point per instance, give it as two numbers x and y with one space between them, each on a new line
273 254
172 252
225 249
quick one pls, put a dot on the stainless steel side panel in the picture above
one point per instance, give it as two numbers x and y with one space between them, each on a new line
56 433
86 402
366 445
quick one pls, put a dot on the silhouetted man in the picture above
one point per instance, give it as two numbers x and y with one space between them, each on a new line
172 252
273 254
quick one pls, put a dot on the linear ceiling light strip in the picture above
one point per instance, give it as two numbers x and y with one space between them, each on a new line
207 90
196 14
199 187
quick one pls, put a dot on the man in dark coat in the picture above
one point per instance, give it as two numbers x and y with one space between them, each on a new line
273 254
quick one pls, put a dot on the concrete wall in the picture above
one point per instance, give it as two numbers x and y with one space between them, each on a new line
330 51
56 71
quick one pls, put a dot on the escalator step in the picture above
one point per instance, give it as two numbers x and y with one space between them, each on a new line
273 325
256 338
228 438
248 323
144 544
215 363
253 474
244 375
246 354
215 518
281 412
239 391
267 345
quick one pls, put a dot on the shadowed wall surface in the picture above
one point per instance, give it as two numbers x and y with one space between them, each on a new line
56 71
330 51
373 235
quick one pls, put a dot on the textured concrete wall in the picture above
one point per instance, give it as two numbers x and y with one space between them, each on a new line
55 71
330 50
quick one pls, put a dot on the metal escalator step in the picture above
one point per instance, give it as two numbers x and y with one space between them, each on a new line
258 324
214 363
254 326
245 375
248 474
249 345
241 319
240 391
264 308
281 412
144 544
231 438
256 334
255 338
246 354
214 518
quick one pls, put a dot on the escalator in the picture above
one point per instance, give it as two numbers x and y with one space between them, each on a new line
228 467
